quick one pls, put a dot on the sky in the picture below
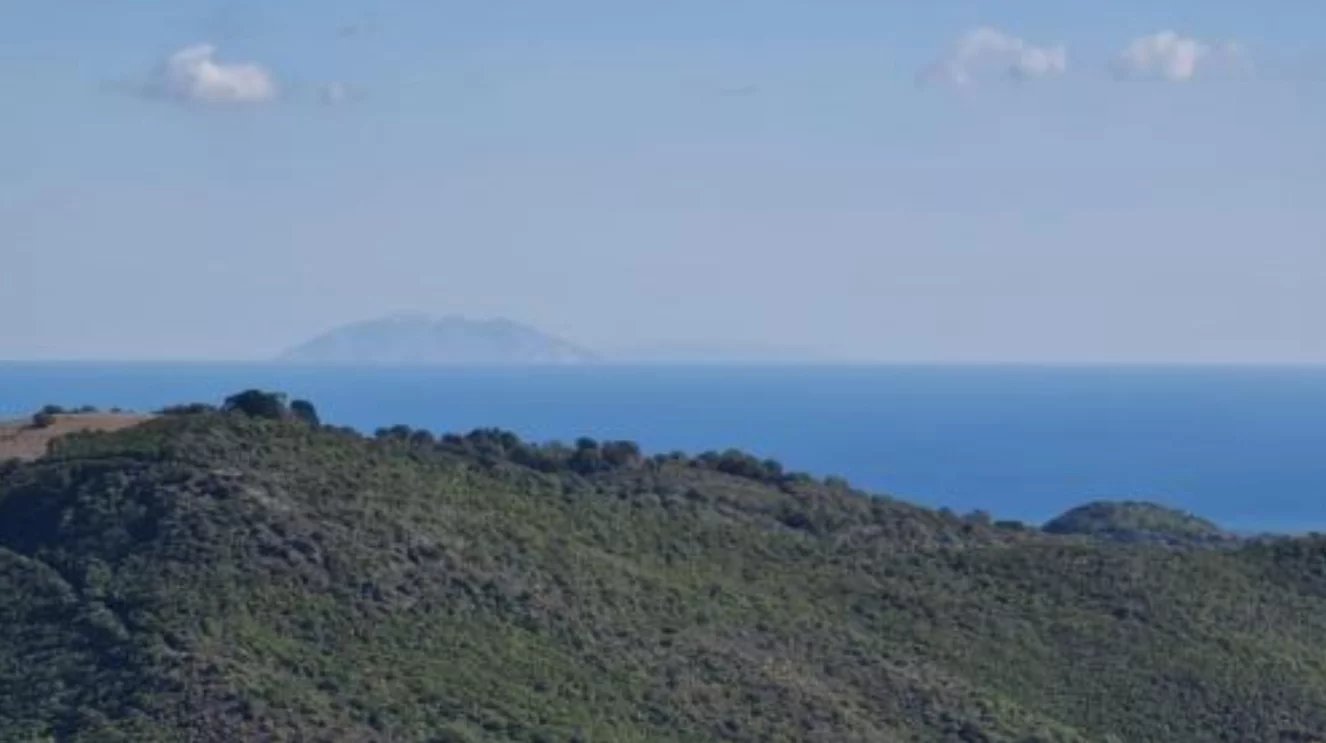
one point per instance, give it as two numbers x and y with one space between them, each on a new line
865 180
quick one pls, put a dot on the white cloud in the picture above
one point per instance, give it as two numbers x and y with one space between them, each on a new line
1169 56
984 51
193 74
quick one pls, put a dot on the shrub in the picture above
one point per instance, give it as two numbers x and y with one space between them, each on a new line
257 404
740 464
979 517
195 408
422 437
303 410
621 454
398 432
587 460
43 419
796 519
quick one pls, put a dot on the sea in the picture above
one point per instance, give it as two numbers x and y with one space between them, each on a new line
1242 446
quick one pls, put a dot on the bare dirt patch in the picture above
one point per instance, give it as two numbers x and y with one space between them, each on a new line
22 440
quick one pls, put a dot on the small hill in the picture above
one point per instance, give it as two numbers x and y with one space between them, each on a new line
1137 521
423 340
242 574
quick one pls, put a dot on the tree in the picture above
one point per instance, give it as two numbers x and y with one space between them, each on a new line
43 419
398 432
585 442
740 464
303 410
257 404
621 454
586 460
193 408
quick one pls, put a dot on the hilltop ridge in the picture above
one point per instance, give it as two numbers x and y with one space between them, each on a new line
246 573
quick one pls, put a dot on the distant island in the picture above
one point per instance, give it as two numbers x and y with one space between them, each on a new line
422 340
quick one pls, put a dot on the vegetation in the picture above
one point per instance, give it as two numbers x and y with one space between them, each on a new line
222 576
48 414
1133 521
303 410
43 419
194 408
257 404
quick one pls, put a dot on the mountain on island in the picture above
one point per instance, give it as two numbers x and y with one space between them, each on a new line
416 339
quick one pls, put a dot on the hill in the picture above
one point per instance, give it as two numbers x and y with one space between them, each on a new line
422 340
1136 521
218 577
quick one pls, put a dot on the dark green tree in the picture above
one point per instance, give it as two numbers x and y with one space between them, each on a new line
303 410
422 437
193 408
587 459
257 404
43 419
621 454
398 432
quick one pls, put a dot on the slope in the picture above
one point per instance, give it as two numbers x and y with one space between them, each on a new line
217 577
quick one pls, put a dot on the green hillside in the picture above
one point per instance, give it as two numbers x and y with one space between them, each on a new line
217 577
1134 521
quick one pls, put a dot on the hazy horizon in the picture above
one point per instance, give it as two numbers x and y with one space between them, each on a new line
949 182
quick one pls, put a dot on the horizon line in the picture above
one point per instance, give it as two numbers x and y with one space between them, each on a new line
682 362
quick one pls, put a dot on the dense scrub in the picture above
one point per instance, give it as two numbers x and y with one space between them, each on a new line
1132 521
216 576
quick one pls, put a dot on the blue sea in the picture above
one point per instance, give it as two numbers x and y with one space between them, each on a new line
1244 446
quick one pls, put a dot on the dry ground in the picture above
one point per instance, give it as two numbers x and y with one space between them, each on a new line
20 440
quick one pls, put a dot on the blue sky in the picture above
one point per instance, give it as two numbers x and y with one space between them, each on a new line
977 181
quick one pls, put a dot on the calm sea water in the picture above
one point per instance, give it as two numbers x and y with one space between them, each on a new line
1243 446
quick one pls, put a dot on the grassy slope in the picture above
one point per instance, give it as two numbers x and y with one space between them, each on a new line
219 578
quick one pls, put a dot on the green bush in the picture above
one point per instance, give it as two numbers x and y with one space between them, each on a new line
303 410
196 408
43 419
257 404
